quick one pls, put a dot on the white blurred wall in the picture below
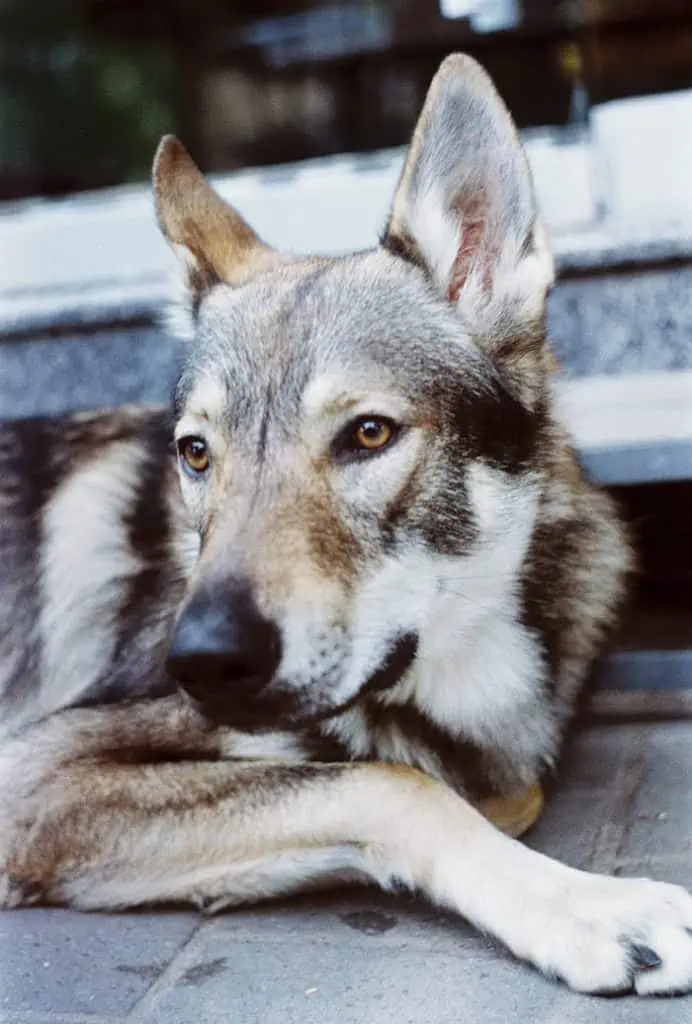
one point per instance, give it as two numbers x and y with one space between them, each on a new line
633 175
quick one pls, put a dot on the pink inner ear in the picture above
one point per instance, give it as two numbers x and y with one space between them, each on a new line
474 251
469 254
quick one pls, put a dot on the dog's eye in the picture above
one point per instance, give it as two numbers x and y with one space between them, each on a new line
194 454
366 436
373 434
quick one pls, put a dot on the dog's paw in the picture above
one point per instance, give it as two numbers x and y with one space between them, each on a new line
613 935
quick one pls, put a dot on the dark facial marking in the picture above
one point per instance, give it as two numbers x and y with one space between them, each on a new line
495 426
397 661
255 713
491 424
264 428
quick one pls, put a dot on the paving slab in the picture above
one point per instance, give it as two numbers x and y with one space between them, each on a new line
57 1018
57 961
366 918
311 982
660 821
575 1009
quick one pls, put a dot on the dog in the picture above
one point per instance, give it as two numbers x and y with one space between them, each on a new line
326 620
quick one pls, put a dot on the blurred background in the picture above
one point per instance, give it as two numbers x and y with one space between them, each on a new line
300 110
88 86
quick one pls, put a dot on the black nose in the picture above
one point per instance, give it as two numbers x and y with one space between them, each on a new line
224 650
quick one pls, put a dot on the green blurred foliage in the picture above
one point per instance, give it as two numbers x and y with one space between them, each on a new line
77 110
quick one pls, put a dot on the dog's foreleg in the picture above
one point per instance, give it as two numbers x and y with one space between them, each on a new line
221 832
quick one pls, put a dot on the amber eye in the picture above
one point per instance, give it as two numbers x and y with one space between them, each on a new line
365 436
371 434
194 454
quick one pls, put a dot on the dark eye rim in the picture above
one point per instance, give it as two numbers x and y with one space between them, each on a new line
346 449
180 445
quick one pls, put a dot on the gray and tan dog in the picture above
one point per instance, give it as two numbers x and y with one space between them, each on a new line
353 602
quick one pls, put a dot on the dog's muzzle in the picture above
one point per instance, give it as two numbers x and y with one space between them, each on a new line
225 655
224 652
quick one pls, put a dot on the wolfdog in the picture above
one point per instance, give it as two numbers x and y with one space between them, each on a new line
327 619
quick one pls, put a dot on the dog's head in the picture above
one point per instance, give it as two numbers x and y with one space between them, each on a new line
356 437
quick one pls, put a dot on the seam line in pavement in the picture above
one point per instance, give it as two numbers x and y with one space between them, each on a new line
170 971
626 784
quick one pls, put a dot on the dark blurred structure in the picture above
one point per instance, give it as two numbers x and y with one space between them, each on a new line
87 86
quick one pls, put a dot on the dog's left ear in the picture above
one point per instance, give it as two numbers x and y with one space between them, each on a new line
216 244
465 206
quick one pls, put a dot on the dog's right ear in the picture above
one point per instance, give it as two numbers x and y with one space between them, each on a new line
465 206
215 243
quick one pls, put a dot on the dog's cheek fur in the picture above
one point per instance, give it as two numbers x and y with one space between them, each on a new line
431 509
491 426
337 551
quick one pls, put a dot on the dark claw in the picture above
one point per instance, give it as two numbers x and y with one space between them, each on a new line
644 958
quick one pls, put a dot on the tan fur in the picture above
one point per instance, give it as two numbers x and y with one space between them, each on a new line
220 245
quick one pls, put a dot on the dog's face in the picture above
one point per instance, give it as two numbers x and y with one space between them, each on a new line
355 436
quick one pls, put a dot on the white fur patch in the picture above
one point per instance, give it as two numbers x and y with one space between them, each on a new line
478 669
387 606
178 318
272 746
436 232
186 545
86 562
518 285
505 507
208 400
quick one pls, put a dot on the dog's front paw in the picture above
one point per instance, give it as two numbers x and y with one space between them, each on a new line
612 935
